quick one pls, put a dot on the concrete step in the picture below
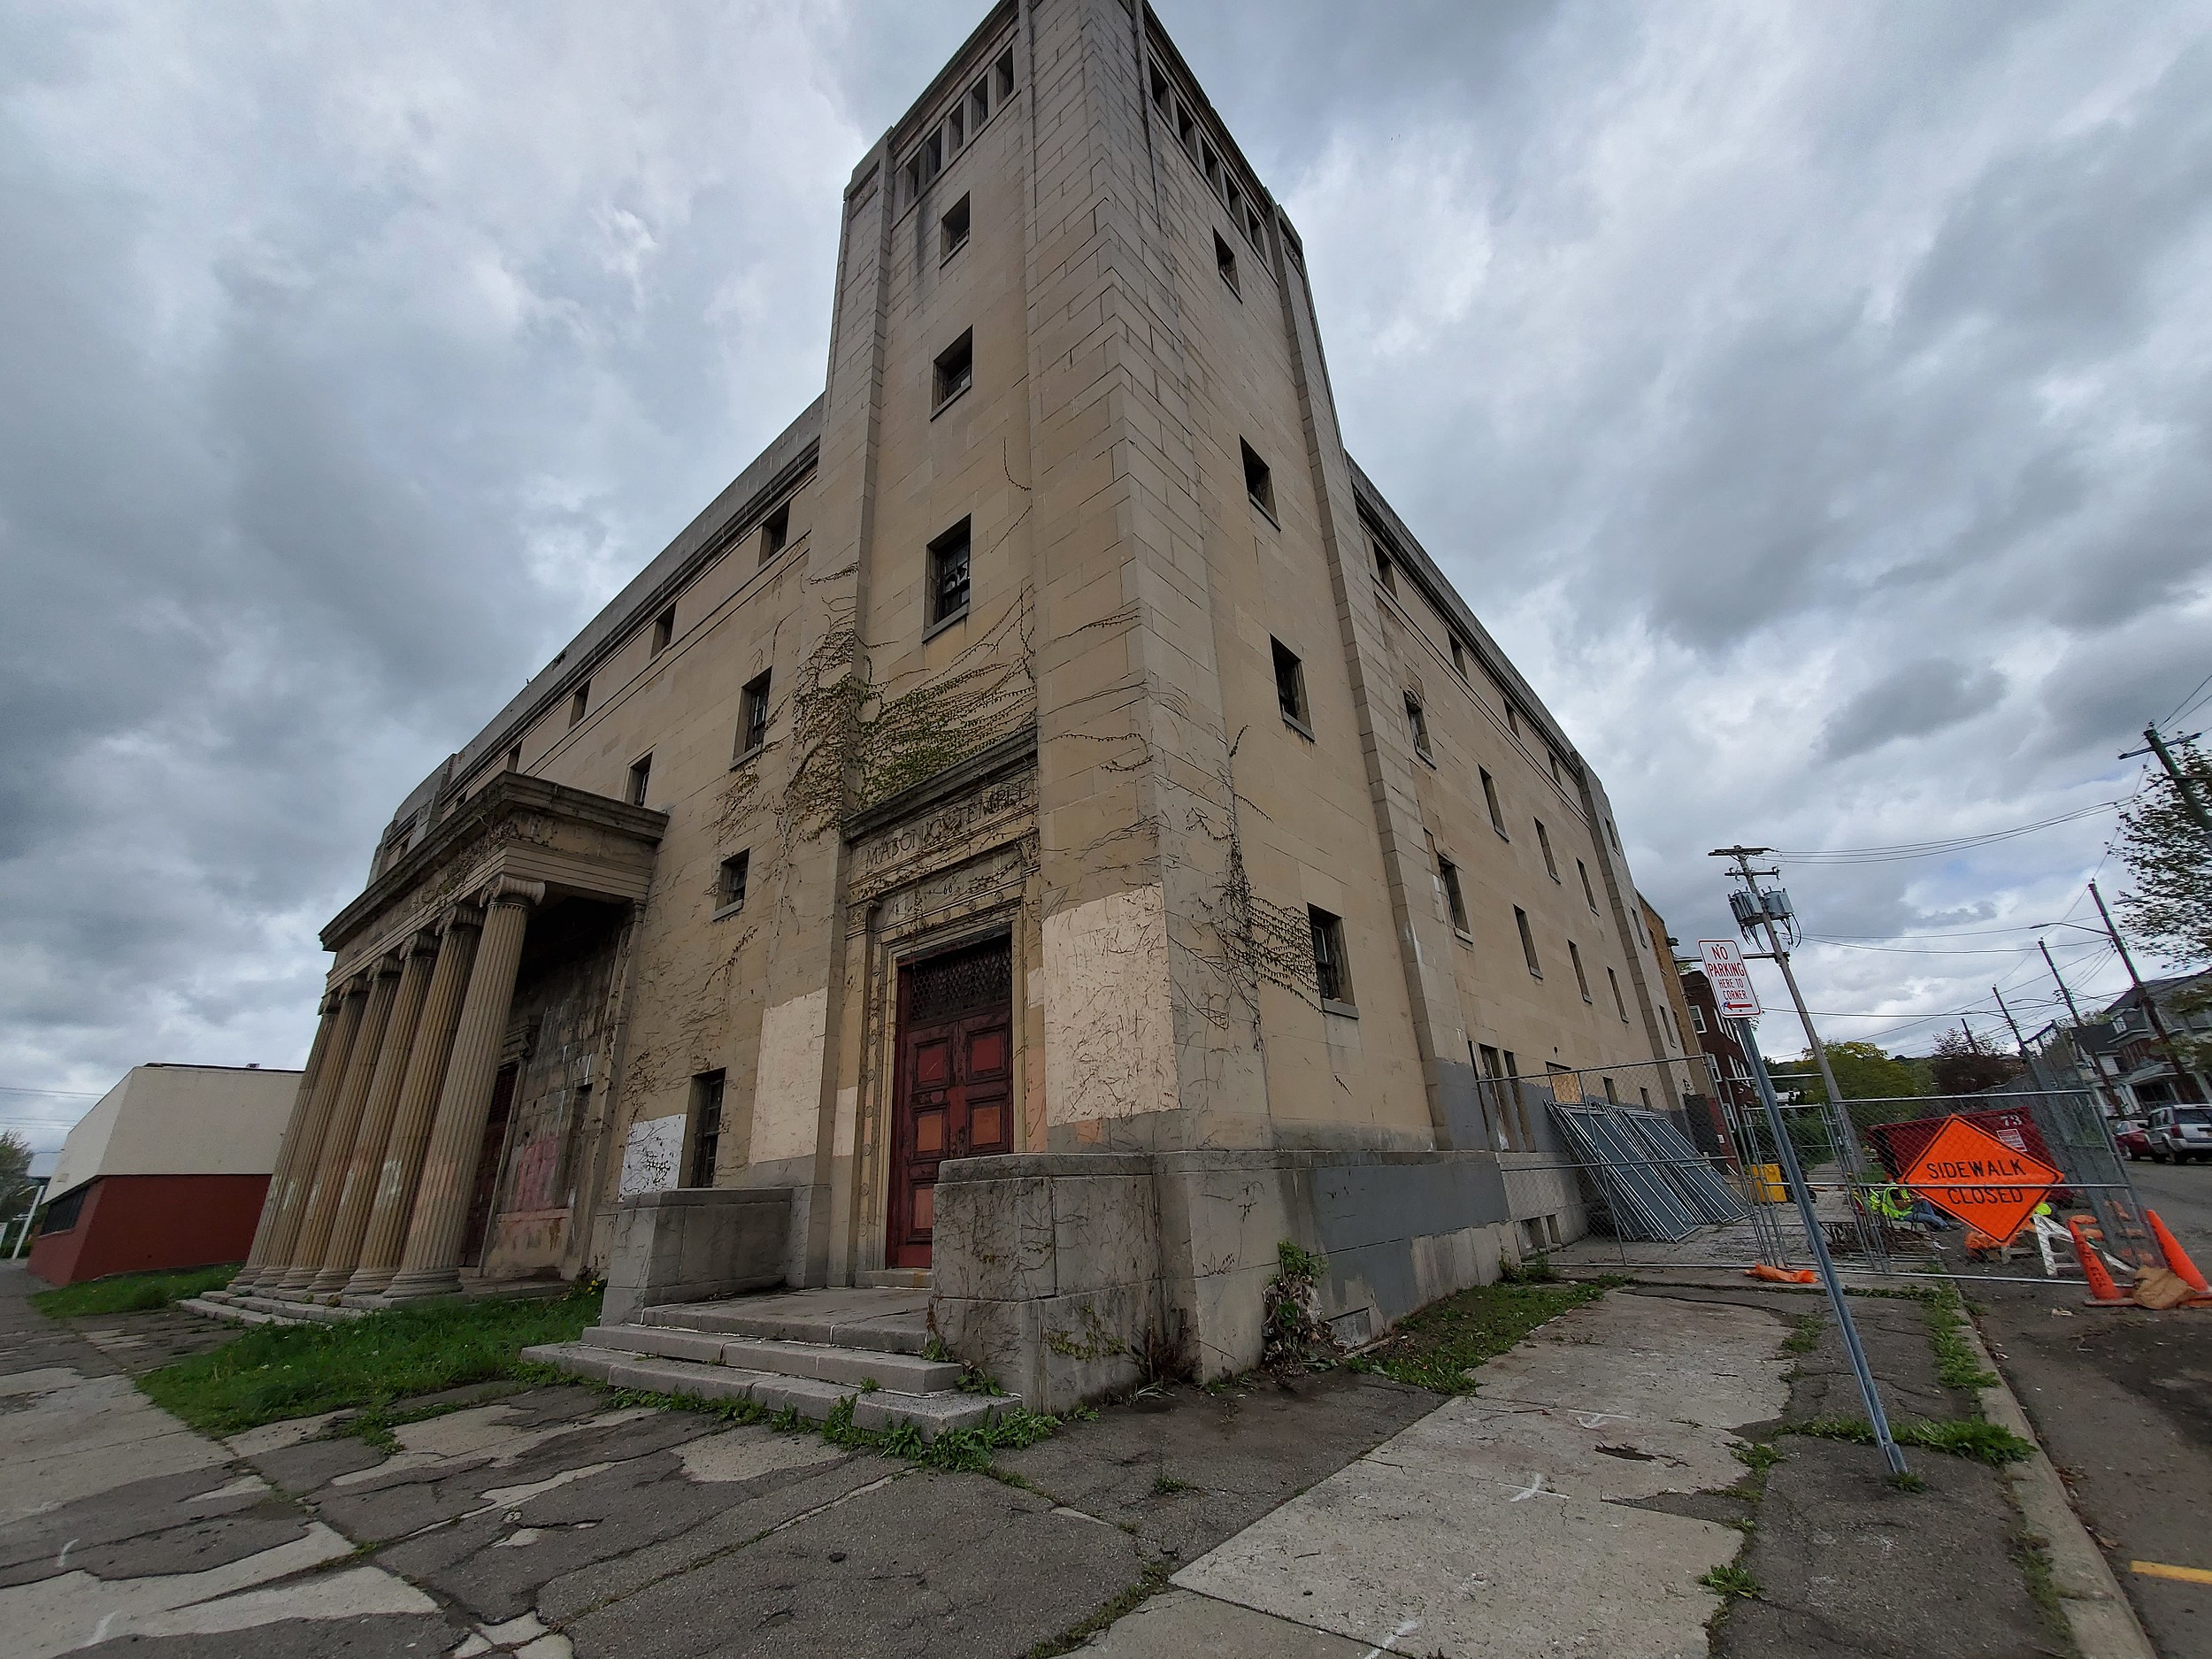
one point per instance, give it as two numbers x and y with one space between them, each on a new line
879 1410
233 1312
893 1279
266 1309
875 1320
851 1366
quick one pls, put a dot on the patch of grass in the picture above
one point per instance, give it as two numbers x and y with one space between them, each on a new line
1956 1365
1907 1481
131 1293
1530 1270
1757 1456
1153 1581
1806 1337
1984 1441
1731 1581
2031 1554
1436 1348
271 1373
1168 1486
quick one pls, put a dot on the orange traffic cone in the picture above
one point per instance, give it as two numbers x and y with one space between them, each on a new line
2102 1291
2177 1261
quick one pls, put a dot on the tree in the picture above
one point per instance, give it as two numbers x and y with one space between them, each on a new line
1863 1072
2169 856
15 1173
1963 1065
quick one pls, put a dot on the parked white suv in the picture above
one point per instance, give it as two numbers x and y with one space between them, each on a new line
2179 1132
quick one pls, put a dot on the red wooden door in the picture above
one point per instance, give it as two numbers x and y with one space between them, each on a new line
953 1092
486 1187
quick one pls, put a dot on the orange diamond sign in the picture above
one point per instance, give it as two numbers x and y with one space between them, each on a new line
1991 1187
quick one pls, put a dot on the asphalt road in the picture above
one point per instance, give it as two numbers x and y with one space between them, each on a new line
2122 1399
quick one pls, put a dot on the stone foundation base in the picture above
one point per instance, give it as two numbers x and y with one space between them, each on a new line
1073 1275
694 1244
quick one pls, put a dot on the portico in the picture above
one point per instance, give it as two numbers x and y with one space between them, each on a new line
394 1164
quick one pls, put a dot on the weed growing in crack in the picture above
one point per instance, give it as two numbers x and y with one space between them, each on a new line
1806 1337
1168 1486
1757 1456
1984 1441
1732 1581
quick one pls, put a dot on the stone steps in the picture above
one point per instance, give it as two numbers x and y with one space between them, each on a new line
248 1309
804 1349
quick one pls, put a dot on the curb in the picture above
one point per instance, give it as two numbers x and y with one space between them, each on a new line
2097 1609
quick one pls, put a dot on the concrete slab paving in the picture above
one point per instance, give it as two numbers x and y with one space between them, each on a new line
1179 1624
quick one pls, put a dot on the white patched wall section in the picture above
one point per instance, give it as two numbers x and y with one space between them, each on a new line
1109 1031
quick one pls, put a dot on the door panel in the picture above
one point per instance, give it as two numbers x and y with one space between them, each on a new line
952 1097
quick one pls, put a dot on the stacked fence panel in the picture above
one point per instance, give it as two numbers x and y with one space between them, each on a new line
1639 1202
1694 1179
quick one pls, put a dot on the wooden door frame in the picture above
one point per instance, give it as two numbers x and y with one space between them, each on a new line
1002 928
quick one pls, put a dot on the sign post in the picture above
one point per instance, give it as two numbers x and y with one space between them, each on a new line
1730 979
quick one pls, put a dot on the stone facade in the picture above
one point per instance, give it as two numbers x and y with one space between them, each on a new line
1060 626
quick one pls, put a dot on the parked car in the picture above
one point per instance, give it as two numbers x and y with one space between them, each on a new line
2175 1133
2127 1134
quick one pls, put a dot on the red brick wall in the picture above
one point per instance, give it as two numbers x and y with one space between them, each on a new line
132 1223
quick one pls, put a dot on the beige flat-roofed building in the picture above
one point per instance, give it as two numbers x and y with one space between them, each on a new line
1047 830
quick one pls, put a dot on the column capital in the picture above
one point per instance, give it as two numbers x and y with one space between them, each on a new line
464 913
424 943
385 966
512 890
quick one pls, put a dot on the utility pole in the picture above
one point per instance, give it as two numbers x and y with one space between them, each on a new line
2105 1092
2184 786
2018 1042
2072 1013
2150 1003
1839 1117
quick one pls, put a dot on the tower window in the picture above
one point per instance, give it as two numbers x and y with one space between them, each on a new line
730 882
953 229
1490 800
979 102
1620 1003
1159 88
1582 979
1290 686
1459 657
1330 972
1543 841
1384 575
1259 484
1418 723
1448 873
948 575
514 758
752 725
775 532
956 368
1588 893
640 776
1226 262
1528 942
1005 75
664 630
579 703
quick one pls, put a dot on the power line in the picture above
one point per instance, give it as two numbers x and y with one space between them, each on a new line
68 1094
1940 950
2187 703
1932 849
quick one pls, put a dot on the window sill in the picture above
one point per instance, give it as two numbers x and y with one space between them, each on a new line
943 623
949 402
749 756
1263 510
1233 288
952 253
1502 835
1300 726
1342 1010
726 911
1464 937
1425 758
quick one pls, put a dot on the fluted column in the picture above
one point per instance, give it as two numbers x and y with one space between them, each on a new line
299 1169
320 1207
356 1185
430 1263
392 1203
317 1052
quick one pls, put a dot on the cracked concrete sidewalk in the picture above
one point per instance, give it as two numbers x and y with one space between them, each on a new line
1570 1506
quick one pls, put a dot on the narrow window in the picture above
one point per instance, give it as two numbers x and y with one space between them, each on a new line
1697 1019
775 531
640 776
1490 800
1234 197
579 703
1611 1098
730 884
1611 836
664 630
1459 657
1290 686
1512 720
1226 262
1186 131
1552 755
1006 75
1528 942
514 758
953 229
1384 575
914 177
1674 1025
933 155
752 726
1159 88
1329 969
1418 723
955 128
1258 482
1543 839
706 1127
1495 1085
1253 223
956 368
1582 979
980 103
1588 893
1450 873
1211 163
948 575
1644 1094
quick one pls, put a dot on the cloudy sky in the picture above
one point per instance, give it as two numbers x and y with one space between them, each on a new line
1813 399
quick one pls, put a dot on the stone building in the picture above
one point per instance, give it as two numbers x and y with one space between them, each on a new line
1047 829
